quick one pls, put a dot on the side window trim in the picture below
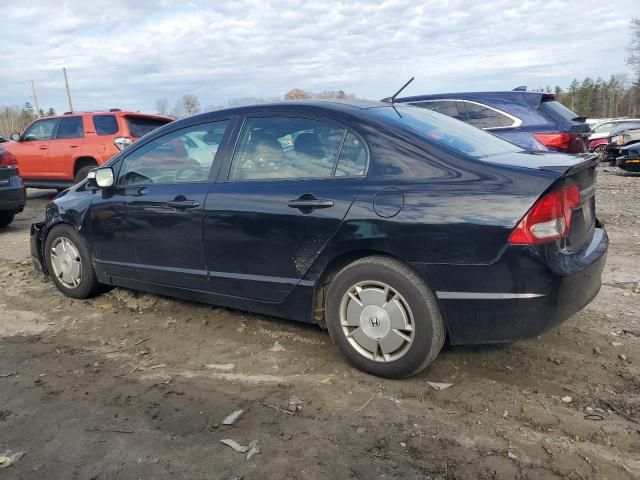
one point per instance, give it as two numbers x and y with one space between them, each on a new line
225 170
516 121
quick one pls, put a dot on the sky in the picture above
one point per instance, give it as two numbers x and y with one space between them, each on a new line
128 54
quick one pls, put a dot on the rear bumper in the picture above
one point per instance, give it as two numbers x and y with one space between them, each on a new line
12 198
518 297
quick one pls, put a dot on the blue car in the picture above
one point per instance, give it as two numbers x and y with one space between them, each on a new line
532 120
392 226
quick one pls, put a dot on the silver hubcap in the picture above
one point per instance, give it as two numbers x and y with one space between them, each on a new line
66 263
377 321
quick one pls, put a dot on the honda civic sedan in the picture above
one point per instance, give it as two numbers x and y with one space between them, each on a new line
393 227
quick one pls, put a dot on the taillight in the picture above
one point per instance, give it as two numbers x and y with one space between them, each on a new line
122 142
8 159
548 219
562 141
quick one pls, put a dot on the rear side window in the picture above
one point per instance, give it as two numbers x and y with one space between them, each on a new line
450 108
485 117
140 126
353 157
283 147
105 124
70 127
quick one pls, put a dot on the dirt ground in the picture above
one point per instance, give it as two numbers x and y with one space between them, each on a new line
135 386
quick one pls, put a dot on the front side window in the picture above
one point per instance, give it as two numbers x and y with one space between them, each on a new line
41 130
450 108
105 124
484 117
70 127
183 156
282 147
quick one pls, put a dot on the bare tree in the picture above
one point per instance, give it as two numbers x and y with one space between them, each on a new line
191 104
162 106
633 59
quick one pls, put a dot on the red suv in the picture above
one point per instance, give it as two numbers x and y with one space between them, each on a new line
56 152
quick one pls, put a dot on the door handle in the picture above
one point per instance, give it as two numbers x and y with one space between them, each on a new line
307 203
74 146
43 147
182 204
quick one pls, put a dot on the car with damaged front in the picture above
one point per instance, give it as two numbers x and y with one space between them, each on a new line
392 226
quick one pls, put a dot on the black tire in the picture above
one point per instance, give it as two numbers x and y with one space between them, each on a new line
83 172
88 286
6 218
428 325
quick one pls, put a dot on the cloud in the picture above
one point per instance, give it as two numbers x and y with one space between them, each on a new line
128 54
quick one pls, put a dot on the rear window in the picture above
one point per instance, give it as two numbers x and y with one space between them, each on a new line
557 109
105 124
140 126
448 133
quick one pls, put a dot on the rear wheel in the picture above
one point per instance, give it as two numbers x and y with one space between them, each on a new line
83 172
6 218
69 263
383 318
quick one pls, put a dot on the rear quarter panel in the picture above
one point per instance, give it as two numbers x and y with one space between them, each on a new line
454 211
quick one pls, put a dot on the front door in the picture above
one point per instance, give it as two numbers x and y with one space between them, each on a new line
149 226
32 151
289 186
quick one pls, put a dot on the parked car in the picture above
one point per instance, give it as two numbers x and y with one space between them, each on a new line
391 225
58 151
12 191
600 133
532 120
621 137
629 158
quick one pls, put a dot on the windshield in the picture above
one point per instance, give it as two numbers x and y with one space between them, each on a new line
448 132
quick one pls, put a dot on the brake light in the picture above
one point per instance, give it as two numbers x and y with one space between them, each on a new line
7 158
562 141
548 219
122 142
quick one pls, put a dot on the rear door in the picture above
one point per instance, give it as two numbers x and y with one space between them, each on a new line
283 196
149 226
32 151
66 146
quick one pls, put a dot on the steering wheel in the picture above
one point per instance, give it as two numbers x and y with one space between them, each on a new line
192 172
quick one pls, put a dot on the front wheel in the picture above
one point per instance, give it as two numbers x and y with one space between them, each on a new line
383 318
68 261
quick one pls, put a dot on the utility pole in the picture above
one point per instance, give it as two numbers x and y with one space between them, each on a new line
35 99
66 84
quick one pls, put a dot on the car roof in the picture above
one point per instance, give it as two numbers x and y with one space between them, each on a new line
510 94
350 105
109 112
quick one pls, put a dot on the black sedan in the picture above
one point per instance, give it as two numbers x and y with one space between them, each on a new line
12 190
394 227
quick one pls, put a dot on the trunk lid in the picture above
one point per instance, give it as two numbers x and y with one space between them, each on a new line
577 170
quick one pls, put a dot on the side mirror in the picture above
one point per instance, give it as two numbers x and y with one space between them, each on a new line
101 177
15 136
